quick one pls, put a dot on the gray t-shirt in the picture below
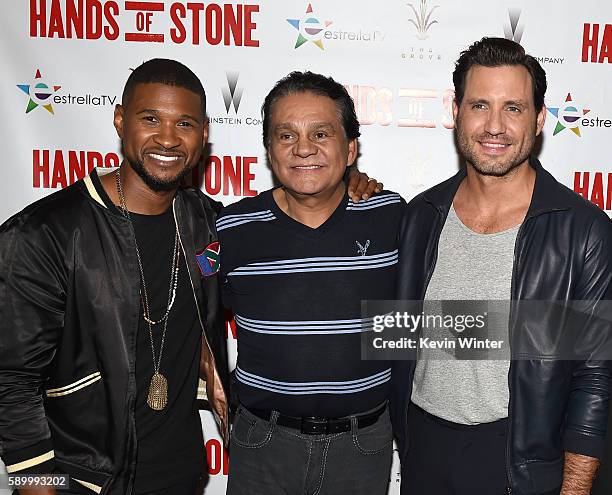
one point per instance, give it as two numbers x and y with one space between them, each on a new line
470 266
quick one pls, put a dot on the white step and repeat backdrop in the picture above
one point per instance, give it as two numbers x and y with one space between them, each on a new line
64 63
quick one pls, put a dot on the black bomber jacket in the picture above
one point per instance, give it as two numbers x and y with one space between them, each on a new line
563 252
69 310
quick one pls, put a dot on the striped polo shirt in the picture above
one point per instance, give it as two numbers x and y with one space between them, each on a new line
296 295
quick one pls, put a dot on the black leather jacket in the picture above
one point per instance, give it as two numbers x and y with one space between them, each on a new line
69 310
563 252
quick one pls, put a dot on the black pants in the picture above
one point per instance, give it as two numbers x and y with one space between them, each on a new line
188 487
447 458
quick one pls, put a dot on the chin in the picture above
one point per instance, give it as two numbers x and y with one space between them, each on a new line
494 170
157 183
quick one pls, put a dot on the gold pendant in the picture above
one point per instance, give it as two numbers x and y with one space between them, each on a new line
158 392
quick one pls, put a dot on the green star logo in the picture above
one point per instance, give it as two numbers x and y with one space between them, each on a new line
568 117
39 92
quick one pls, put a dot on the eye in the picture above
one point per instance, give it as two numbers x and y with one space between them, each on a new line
185 123
321 135
285 136
149 119
479 106
513 108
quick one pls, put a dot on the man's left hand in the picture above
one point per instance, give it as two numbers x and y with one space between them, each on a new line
360 186
214 390
218 404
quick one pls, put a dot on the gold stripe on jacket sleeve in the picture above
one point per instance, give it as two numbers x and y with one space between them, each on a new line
28 463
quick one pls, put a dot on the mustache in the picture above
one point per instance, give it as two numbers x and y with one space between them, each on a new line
163 152
485 136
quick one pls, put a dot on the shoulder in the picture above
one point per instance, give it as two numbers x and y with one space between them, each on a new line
195 195
584 213
384 203
582 206
419 205
247 205
58 208
40 234
246 210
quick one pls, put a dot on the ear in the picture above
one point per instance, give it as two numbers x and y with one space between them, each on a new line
540 119
455 111
352 152
205 132
118 120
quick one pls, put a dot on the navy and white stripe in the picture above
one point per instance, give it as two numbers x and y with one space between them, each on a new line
313 327
309 388
375 202
321 264
230 221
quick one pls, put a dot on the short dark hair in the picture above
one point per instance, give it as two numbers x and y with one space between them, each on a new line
310 82
497 52
164 71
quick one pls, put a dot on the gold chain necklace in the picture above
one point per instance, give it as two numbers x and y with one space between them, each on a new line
157 398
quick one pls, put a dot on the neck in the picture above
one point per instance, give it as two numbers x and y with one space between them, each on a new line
310 210
139 198
497 194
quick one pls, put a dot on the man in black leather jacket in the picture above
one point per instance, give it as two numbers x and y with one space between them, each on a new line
551 431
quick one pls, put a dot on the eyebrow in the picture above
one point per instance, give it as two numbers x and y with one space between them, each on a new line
518 103
156 112
313 125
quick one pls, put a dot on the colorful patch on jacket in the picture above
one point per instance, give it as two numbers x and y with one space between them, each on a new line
209 259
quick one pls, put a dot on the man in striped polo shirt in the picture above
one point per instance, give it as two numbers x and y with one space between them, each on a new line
297 262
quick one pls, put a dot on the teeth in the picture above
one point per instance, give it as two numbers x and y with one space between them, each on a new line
163 158
494 145
309 167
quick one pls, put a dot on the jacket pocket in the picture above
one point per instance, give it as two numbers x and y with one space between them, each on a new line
82 477
81 422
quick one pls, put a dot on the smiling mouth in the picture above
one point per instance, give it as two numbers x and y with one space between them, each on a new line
164 158
494 146
307 167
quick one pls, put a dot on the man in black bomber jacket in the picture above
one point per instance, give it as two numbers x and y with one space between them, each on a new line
77 357
545 422
109 308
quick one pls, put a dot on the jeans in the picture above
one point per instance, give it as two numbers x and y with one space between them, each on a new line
268 459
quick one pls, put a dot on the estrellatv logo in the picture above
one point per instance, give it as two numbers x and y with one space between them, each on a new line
568 117
39 92
309 28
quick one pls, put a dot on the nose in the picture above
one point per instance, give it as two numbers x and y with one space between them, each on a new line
304 147
495 123
167 136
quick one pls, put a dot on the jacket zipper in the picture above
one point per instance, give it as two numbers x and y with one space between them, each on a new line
192 286
515 263
441 221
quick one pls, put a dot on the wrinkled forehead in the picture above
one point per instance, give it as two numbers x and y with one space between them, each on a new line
305 108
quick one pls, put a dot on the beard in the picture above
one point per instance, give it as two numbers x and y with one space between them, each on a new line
488 165
154 183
